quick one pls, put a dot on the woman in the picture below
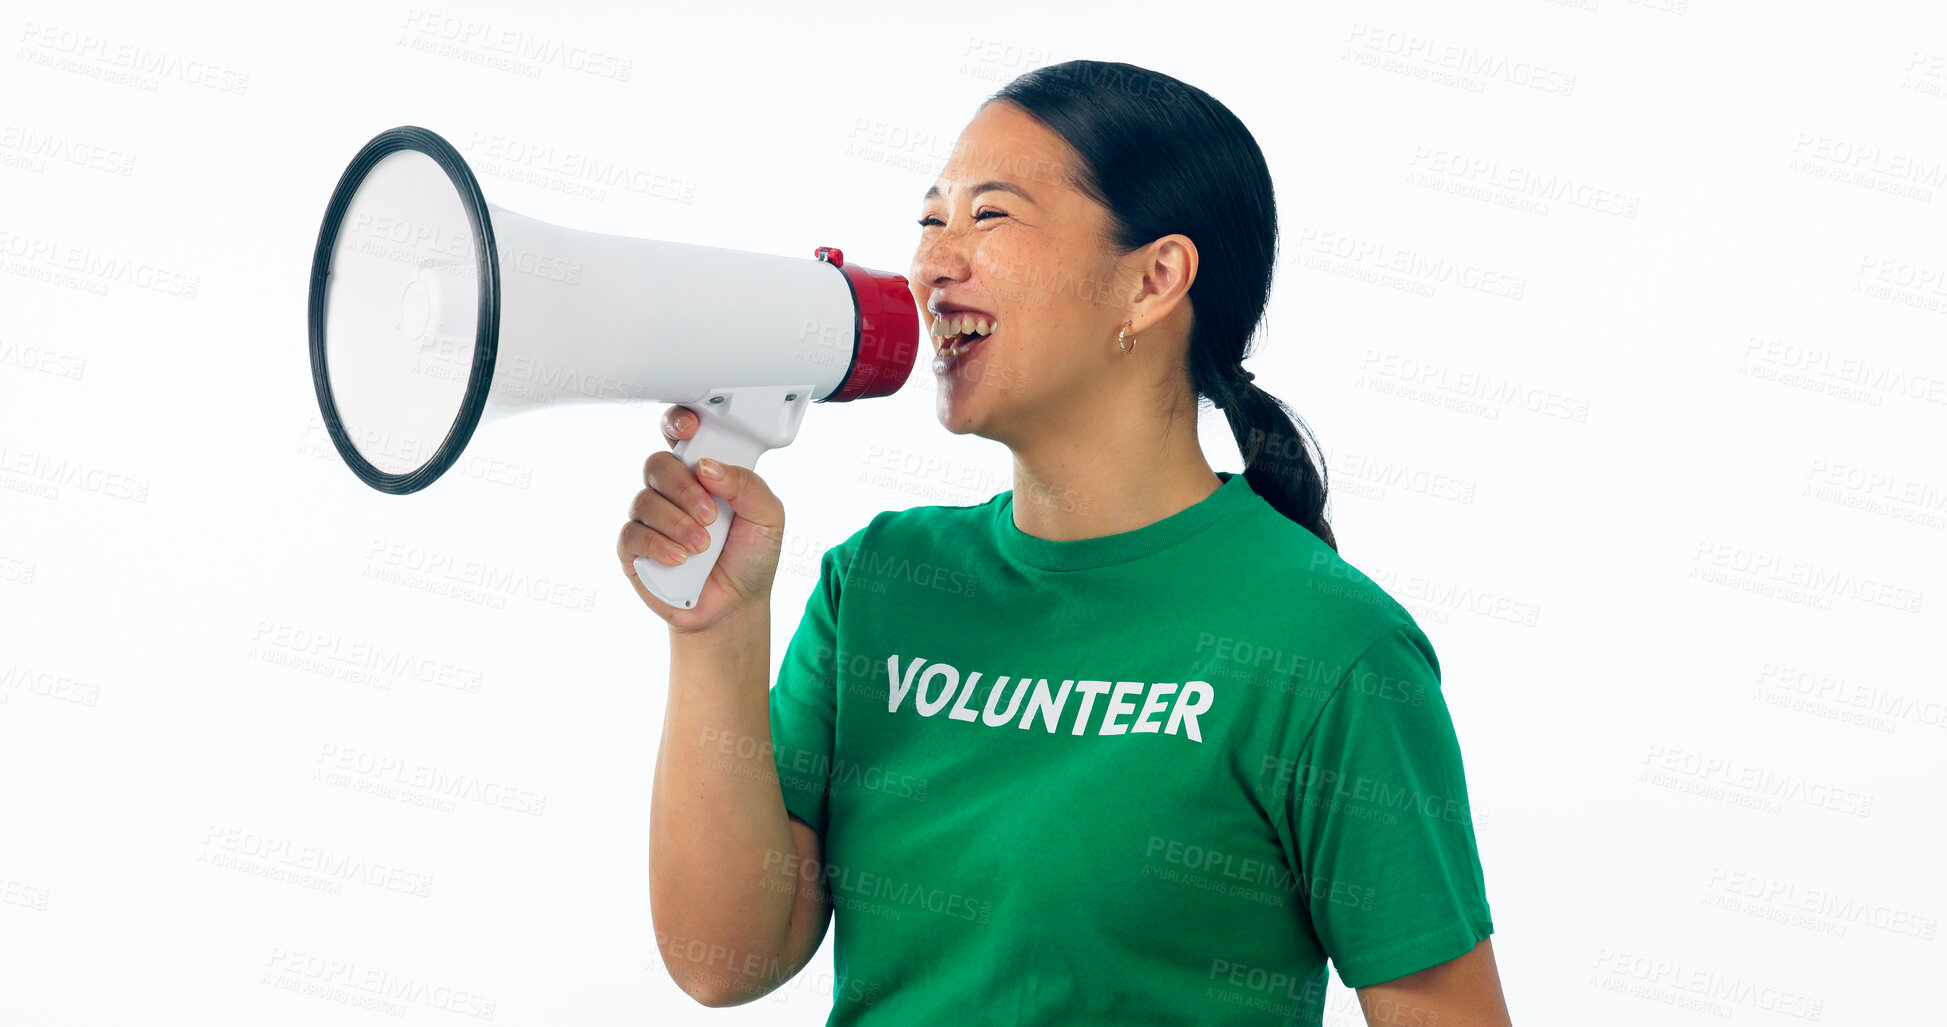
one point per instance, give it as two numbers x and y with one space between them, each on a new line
1128 743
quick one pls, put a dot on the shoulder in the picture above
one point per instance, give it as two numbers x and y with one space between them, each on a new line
1282 558
1319 601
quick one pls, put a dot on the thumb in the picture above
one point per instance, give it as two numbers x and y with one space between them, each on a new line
747 493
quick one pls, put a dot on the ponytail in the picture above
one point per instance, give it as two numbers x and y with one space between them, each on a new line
1277 460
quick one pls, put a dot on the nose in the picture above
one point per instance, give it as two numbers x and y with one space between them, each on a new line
941 258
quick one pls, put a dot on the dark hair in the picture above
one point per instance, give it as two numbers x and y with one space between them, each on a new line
1164 157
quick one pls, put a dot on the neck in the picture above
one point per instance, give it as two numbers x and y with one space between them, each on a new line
1109 475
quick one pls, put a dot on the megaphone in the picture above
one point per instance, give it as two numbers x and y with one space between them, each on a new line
433 311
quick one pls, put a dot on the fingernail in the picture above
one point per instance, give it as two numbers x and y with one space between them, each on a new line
699 542
709 468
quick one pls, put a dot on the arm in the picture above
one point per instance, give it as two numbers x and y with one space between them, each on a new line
1417 950
1463 992
735 883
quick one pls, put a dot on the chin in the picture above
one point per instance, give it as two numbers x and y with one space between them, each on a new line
957 421
964 412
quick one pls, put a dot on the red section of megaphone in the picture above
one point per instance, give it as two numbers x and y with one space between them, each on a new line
888 330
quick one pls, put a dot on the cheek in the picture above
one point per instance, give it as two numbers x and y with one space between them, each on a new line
1024 280
994 261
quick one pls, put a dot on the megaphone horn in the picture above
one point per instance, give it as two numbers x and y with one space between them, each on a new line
433 311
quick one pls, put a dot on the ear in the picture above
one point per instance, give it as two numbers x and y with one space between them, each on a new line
1161 274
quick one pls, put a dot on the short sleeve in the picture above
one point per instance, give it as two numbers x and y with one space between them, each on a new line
804 700
1377 823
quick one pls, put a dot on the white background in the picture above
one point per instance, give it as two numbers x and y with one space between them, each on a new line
1660 473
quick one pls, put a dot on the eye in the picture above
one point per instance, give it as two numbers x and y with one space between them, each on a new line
982 216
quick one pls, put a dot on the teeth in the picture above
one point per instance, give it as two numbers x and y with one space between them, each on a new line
970 328
962 324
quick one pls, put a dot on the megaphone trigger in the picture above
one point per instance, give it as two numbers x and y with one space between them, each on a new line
735 427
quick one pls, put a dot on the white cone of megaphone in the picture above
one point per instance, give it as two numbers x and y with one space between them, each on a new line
433 311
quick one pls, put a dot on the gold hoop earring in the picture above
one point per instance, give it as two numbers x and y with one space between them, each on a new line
1131 347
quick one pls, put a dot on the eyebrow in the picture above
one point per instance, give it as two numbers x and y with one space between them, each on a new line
934 191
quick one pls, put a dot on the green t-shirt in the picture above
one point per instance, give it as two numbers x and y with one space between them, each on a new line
1150 778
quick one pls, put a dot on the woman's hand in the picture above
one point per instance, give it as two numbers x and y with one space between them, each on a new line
673 509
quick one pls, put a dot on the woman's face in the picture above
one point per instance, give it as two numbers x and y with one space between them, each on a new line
1004 236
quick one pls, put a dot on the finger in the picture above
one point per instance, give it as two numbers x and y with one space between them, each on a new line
679 423
654 510
635 580
638 539
667 474
747 494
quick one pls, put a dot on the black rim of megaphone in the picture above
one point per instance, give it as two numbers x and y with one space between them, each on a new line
408 137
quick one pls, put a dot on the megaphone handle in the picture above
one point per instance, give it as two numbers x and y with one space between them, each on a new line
735 432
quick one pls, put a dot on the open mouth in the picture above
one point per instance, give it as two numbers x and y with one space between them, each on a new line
955 347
